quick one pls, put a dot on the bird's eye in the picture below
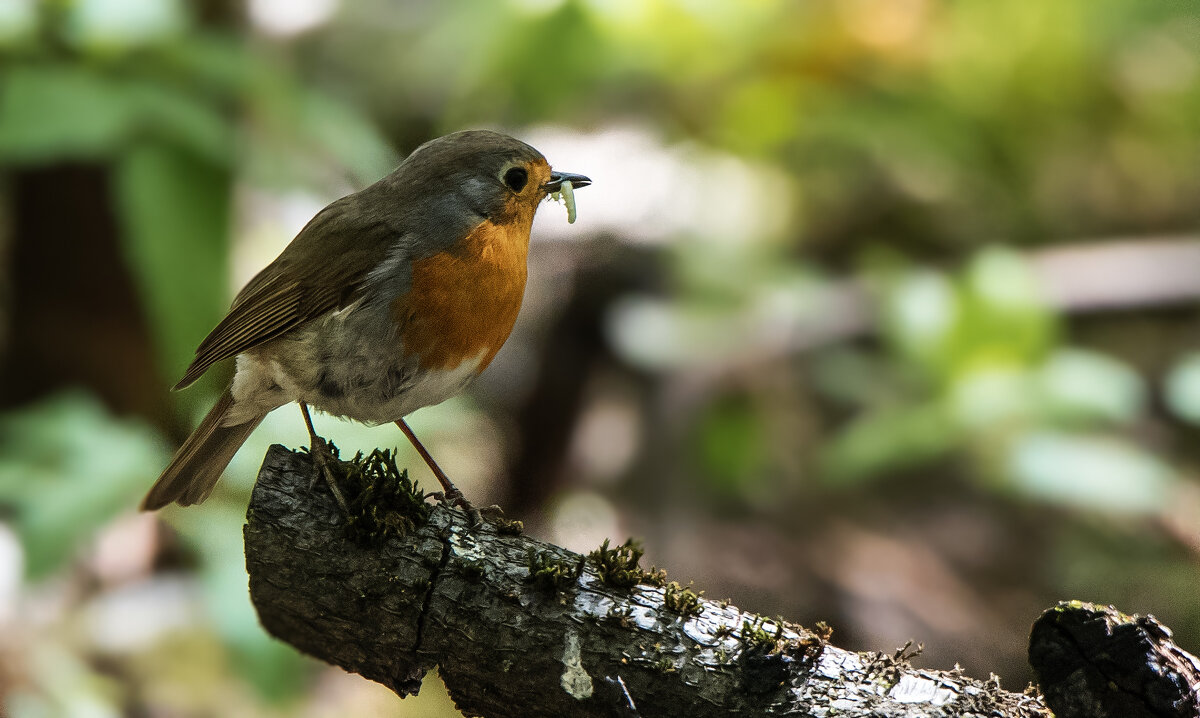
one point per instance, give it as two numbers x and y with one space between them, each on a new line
516 178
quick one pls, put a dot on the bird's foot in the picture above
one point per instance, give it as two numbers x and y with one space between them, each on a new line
455 499
323 457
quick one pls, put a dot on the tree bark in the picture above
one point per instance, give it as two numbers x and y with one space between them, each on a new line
1096 662
464 600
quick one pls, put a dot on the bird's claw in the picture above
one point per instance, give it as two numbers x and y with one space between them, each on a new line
322 460
455 499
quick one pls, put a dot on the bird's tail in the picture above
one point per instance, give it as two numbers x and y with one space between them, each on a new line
192 474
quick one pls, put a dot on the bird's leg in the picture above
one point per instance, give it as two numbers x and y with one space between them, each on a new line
322 457
452 495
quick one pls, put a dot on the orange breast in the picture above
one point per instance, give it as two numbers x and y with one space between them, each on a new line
463 303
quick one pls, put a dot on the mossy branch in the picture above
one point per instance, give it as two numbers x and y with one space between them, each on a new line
518 627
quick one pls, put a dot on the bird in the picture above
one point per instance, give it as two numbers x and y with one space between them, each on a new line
390 299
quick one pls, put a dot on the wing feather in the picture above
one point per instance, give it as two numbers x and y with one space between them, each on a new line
323 269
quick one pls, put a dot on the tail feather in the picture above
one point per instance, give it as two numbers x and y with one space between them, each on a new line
192 474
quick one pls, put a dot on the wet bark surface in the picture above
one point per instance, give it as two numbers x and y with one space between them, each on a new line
507 644
1096 662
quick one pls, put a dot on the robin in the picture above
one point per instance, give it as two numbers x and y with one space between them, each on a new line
390 299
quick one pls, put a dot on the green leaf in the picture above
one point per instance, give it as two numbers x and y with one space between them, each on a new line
217 65
990 314
175 209
304 133
18 23
52 112
121 24
1004 314
178 114
340 130
1079 384
1099 473
920 314
987 396
889 439
1182 387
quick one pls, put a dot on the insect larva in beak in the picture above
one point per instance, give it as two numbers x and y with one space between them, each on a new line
568 194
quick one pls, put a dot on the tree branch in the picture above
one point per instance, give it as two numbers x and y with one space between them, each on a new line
561 642
1096 662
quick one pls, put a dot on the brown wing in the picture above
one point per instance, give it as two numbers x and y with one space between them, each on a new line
322 270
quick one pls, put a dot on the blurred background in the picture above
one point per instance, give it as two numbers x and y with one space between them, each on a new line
879 312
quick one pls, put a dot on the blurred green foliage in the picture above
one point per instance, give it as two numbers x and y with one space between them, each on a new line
68 468
977 364
162 101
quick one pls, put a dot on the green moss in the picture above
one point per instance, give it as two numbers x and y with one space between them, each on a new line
822 630
618 567
811 644
655 577
553 574
683 601
663 665
383 501
755 636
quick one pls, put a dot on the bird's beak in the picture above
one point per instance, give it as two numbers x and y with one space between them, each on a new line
557 178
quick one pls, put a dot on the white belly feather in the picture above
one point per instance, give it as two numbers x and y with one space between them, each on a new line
344 366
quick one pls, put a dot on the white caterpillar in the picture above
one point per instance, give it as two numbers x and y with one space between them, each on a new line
566 194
